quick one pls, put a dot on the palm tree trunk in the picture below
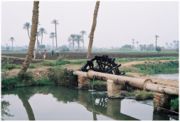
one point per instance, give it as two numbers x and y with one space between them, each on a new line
91 36
73 43
56 35
37 41
78 44
41 38
28 33
32 42
12 44
83 43
52 43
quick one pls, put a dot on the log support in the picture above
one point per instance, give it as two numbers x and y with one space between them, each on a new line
161 101
82 82
113 89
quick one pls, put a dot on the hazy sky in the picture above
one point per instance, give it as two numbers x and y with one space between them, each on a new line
118 22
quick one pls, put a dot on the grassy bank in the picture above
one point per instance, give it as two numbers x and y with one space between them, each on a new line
158 67
25 80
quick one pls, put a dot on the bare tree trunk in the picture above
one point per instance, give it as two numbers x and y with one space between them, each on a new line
91 36
34 26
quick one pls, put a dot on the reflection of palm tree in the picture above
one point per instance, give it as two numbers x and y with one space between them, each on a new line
4 109
26 105
55 22
42 31
12 41
52 35
27 27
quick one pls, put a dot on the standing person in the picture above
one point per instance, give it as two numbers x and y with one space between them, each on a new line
45 54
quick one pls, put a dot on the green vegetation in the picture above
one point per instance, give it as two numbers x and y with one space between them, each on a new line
98 85
146 58
10 66
26 79
9 82
175 104
62 77
48 63
158 67
140 95
62 62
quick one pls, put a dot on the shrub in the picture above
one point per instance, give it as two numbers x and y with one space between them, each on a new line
175 104
159 67
43 81
26 76
48 63
9 82
10 66
62 62
62 77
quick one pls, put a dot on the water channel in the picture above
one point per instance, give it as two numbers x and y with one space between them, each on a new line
59 103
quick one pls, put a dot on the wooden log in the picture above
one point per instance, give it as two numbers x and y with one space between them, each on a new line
113 90
162 89
140 83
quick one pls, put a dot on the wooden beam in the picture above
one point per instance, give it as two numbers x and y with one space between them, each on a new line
140 83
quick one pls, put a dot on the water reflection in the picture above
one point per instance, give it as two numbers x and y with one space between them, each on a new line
58 103
4 109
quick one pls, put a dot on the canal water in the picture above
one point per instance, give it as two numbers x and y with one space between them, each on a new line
59 103
167 76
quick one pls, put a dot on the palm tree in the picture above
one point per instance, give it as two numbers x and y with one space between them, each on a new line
52 36
91 36
133 42
82 35
32 42
137 44
37 39
27 27
70 41
12 41
55 22
73 36
167 45
77 38
42 31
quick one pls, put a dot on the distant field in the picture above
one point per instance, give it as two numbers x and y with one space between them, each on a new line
79 55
